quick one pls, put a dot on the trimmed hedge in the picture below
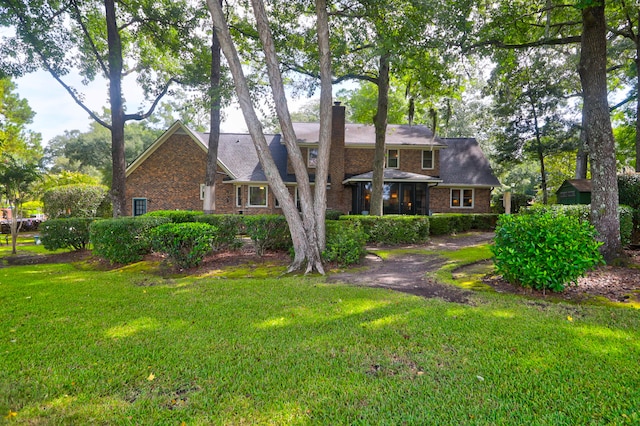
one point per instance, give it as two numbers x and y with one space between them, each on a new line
125 239
268 232
345 245
176 216
186 244
545 250
229 227
392 229
66 233
451 223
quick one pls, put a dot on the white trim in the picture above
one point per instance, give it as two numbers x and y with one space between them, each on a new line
433 160
462 190
238 189
266 196
203 188
397 166
309 165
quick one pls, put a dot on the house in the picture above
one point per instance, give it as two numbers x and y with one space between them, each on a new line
424 174
574 191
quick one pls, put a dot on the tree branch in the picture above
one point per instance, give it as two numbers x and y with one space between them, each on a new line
623 102
105 70
544 42
142 116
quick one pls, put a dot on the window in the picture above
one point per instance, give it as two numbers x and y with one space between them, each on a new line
203 187
238 196
312 157
427 159
258 196
462 198
139 206
393 158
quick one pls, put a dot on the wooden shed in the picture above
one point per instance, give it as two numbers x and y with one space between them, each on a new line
574 191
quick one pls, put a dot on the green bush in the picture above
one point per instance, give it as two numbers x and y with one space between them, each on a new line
79 200
345 243
229 227
176 216
393 229
451 223
123 240
186 244
583 213
268 232
332 214
66 233
484 221
544 251
440 225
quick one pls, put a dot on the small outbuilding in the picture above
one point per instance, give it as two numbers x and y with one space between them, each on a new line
574 191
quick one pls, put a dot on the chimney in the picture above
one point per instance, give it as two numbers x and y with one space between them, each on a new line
338 198
337 126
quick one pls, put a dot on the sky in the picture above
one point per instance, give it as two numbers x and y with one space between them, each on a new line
56 111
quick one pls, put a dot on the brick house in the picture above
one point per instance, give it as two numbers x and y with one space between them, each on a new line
424 174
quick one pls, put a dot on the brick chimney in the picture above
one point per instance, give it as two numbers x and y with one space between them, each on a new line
338 197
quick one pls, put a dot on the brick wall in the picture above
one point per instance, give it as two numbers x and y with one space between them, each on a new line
440 201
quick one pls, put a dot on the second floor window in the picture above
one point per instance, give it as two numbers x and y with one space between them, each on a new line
393 158
427 159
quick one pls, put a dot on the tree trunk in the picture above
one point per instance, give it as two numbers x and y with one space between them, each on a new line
118 195
582 157
381 131
604 196
637 42
326 114
303 234
543 172
214 126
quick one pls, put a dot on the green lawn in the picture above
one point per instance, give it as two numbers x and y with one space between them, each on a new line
128 347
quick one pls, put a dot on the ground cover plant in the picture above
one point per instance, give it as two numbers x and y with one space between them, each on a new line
129 347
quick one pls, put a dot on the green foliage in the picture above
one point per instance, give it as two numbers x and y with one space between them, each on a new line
66 233
74 200
186 244
543 250
583 213
331 214
393 229
229 227
345 244
176 216
451 223
123 240
268 232
629 189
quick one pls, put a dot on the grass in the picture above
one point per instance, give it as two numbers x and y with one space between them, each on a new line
129 347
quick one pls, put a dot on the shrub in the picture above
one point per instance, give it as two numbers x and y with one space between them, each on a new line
626 224
229 227
450 223
393 229
66 233
485 222
544 251
345 243
440 225
176 216
74 200
123 240
332 214
186 244
268 232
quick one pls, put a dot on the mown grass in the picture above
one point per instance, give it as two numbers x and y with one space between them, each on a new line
128 347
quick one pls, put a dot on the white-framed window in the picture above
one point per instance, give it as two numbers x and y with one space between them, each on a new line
393 158
312 157
427 160
258 196
139 206
239 196
203 187
461 198
296 197
276 202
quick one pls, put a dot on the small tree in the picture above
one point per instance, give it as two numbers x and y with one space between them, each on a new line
74 200
16 177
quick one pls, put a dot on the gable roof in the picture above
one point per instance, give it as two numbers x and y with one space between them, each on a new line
394 175
582 185
464 163
365 135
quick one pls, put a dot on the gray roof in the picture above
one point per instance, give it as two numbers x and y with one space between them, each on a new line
238 153
464 163
365 134
582 185
391 175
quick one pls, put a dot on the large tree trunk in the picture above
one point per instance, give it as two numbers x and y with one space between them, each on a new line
637 43
209 204
118 196
303 234
582 157
326 118
604 196
380 122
